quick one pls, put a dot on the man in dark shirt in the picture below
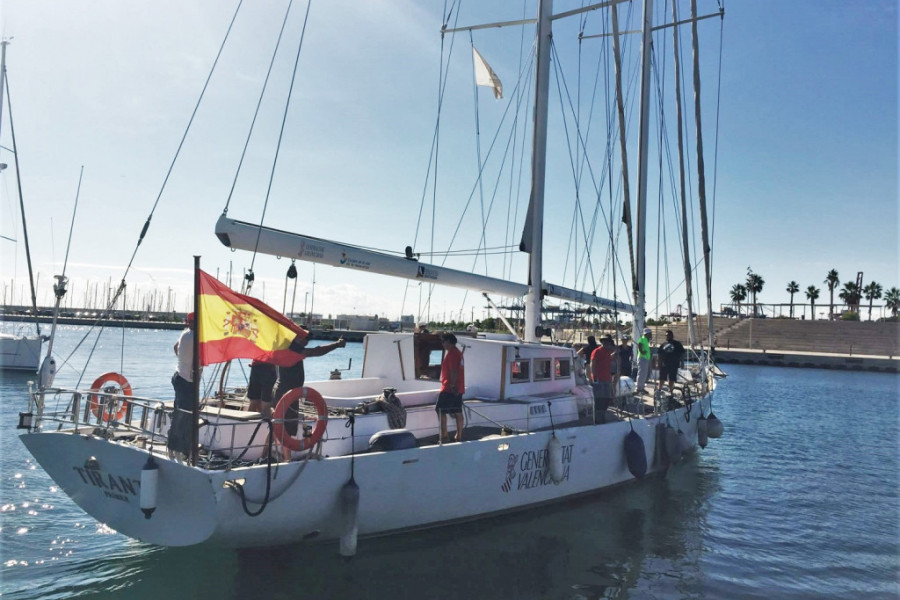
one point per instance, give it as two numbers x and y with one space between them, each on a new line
671 352
625 355
295 376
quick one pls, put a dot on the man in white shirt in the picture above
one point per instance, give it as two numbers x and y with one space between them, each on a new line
180 431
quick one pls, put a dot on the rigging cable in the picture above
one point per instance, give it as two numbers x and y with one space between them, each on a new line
146 226
287 105
512 170
478 152
287 12
12 131
435 138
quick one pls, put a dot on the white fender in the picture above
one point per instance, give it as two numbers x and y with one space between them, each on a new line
554 456
47 372
149 480
702 431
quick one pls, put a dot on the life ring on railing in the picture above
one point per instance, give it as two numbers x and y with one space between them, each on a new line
295 395
96 402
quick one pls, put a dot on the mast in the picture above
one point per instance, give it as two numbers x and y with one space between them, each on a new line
686 250
534 298
15 150
195 369
643 152
620 109
701 172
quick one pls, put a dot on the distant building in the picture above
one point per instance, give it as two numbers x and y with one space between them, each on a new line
356 322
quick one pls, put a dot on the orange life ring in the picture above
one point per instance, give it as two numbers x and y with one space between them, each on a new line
96 402
305 443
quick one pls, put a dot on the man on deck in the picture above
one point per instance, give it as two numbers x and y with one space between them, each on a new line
643 351
601 377
453 384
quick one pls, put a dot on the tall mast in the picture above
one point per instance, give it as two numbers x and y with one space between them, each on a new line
538 170
620 109
643 152
12 131
686 250
701 173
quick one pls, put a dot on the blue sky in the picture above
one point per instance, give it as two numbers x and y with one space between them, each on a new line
806 176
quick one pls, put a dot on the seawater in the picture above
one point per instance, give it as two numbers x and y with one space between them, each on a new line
799 499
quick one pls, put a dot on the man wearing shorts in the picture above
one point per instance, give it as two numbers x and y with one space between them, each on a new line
670 354
453 384
259 387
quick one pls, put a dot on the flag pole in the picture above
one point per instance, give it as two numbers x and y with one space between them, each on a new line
195 367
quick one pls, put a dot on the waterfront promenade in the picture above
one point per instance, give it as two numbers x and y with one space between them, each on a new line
849 345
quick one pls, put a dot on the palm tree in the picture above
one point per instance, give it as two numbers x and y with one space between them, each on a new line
872 292
812 294
754 286
832 281
892 300
738 295
792 288
851 295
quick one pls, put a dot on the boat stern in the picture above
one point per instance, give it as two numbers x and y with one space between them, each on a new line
103 477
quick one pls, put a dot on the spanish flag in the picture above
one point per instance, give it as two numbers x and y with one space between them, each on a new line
231 325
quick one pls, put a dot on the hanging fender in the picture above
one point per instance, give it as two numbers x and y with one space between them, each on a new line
96 401
635 454
555 462
149 481
702 432
301 393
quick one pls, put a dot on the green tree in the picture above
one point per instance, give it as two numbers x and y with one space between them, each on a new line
872 292
792 288
738 295
892 300
851 295
755 285
812 294
832 281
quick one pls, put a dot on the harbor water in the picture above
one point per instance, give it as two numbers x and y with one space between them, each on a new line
799 499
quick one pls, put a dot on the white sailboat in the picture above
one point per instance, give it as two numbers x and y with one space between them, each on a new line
371 462
20 351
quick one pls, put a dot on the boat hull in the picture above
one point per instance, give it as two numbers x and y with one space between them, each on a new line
400 490
104 478
20 353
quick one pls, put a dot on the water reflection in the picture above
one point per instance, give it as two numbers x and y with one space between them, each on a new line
640 540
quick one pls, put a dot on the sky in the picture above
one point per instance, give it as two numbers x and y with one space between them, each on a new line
802 168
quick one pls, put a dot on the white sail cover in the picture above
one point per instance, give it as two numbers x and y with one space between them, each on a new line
484 74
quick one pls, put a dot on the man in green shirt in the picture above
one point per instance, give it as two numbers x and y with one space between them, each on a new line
643 352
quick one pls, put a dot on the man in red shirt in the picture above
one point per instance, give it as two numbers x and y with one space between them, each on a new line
453 384
601 377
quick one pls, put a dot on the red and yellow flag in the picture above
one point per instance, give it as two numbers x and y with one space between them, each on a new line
231 325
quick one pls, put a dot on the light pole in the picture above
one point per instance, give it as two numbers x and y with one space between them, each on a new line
305 299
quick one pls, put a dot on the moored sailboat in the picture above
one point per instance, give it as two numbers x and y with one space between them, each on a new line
533 433
21 351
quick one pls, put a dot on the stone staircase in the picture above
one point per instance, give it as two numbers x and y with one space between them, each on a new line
839 337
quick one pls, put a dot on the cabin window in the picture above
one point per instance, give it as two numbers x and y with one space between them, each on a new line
541 369
521 371
563 368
